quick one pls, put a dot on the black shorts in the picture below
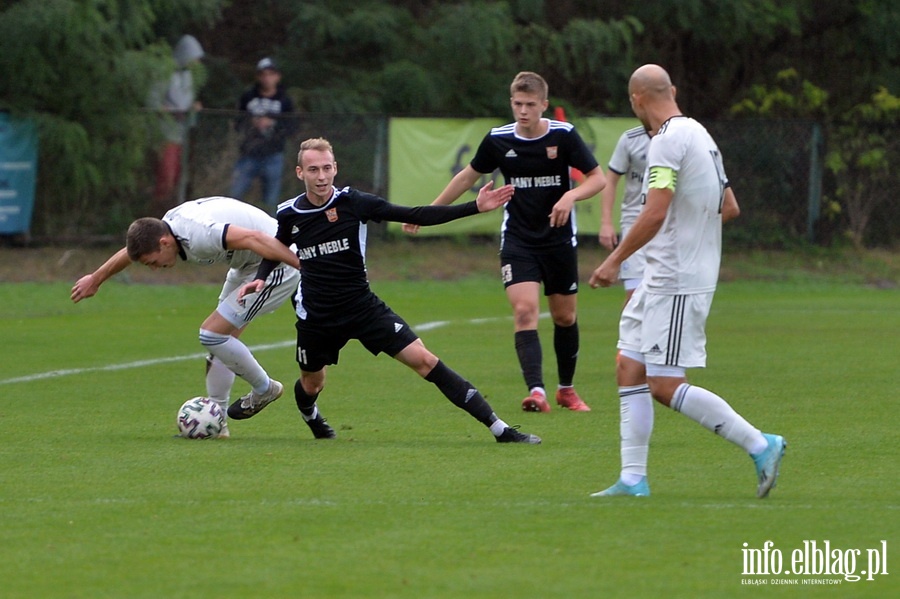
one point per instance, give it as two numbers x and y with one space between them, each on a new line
375 325
557 270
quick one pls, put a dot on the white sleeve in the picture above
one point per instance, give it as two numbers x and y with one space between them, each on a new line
619 162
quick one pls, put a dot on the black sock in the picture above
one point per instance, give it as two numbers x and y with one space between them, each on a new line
461 393
565 342
306 403
528 348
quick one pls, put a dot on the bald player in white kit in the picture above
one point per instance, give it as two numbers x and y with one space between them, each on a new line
662 331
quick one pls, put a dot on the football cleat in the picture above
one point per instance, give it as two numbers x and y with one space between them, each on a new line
536 402
252 403
620 489
320 428
511 434
567 398
767 463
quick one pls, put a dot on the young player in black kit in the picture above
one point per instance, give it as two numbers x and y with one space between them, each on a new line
334 300
538 235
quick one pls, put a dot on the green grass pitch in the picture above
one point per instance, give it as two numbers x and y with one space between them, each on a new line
414 498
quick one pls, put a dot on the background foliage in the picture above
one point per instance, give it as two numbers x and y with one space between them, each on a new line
82 69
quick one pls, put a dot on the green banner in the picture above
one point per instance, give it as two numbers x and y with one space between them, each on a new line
424 154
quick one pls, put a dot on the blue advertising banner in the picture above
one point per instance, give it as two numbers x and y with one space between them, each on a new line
18 173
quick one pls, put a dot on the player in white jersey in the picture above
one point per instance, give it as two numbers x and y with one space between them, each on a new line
211 231
628 162
662 329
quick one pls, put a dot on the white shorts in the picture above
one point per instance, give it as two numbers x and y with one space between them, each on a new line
632 267
668 330
280 286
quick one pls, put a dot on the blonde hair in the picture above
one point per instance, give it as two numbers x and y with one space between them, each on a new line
314 143
529 83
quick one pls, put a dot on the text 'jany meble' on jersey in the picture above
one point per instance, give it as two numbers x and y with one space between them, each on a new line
525 182
324 248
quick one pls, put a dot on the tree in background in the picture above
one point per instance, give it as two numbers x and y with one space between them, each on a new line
421 57
445 58
82 70
861 145
863 154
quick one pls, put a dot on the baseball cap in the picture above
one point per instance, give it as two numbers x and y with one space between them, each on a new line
266 63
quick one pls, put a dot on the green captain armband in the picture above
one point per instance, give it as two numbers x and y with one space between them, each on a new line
662 177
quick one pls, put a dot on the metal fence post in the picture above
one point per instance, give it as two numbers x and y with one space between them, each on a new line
815 183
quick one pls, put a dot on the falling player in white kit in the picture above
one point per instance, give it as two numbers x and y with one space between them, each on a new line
662 328
211 231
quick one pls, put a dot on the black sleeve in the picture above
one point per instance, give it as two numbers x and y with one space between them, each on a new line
580 155
484 160
421 215
265 268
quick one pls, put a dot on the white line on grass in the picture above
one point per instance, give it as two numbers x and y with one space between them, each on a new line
52 374
750 504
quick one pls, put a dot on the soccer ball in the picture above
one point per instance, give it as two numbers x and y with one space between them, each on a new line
200 418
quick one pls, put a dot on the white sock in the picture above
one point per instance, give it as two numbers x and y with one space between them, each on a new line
714 413
635 427
218 382
237 358
539 390
312 416
497 427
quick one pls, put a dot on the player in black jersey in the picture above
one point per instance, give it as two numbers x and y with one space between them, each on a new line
334 302
538 234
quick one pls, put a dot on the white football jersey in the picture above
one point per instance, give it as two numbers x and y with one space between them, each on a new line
683 257
629 161
200 226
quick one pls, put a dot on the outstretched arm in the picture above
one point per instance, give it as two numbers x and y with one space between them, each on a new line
458 185
488 199
239 238
88 285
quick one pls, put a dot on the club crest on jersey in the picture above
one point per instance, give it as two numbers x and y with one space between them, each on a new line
552 152
331 213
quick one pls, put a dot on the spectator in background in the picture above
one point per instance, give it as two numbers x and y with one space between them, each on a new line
176 98
265 125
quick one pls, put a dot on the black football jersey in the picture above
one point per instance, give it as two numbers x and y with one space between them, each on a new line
539 170
331 245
